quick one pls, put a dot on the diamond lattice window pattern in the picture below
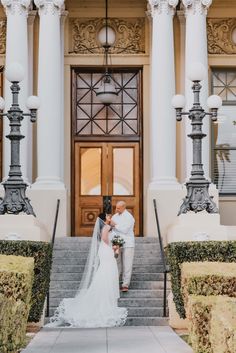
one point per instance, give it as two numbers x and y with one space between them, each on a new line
94 118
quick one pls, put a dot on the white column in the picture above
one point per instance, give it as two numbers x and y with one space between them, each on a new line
163 123
181 155
49 92
196 51
63 18
31 19
17 51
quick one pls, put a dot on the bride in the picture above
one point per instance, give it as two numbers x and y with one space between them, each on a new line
95 304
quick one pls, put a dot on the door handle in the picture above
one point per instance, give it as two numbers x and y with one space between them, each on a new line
107 206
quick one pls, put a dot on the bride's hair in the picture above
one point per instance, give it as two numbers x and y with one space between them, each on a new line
102 216
102 219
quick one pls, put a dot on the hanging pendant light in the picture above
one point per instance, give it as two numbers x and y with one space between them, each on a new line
107 92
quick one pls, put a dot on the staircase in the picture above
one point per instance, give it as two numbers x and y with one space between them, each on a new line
144 300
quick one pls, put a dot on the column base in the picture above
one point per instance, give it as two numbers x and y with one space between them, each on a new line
23 227
197 227
50 183
164 184
168 201
44 201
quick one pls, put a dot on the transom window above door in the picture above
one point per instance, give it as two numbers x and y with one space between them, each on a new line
93 118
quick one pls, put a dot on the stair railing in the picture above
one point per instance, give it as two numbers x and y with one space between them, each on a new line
55 222
163 259
52 242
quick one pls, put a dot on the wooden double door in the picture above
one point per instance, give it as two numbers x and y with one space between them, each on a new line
104 173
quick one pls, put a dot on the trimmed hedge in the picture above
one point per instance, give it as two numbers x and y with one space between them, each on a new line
16 279
205 330
15 273
223 328
42 254
208 278
199 314
179 252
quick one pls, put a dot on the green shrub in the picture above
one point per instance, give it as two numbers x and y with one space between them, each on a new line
179 252
208 278
16 279
206 333
42 254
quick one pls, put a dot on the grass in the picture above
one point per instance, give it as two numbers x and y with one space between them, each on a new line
186 338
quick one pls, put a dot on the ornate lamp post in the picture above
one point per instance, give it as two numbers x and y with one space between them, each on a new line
198 198
15 200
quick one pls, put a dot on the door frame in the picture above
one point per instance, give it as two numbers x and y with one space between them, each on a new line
1 124
107 139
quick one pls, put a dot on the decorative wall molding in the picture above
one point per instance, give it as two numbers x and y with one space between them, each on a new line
3 31
130 35
219 35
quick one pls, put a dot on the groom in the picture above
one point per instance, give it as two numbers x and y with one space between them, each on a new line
123 225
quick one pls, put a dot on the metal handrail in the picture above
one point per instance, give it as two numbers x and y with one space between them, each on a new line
52 242
163 259
55 222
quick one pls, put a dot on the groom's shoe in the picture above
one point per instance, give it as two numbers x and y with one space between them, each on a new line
124 289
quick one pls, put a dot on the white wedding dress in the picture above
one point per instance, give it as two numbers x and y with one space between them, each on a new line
95 304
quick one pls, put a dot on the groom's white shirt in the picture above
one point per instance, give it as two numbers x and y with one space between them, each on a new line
124 227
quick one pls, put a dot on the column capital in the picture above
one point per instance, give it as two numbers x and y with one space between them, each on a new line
159 7
199 7
53 7
13 7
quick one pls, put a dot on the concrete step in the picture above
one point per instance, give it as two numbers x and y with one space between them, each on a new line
146 321
145 312
133 311
85 246
140 302
63 276
80 268
138 321
123 302
143 240
61 253
55 285
81 261
132 293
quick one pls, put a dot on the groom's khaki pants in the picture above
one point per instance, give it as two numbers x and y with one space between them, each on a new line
125 264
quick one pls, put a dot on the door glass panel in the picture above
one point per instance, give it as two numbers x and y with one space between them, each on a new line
123 165
90 166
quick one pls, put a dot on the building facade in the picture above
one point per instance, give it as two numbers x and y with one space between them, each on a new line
90 155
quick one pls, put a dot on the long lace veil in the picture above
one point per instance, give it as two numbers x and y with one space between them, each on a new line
92 259
91 266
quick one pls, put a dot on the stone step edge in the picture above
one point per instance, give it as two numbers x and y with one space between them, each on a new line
88 238
130 290
129 307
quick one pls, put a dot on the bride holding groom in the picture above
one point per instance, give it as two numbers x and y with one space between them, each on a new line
96 301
